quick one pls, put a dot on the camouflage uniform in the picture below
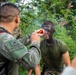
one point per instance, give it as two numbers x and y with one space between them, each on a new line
50 72
52 56
17 33
16 53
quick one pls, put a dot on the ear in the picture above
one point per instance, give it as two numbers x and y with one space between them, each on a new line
17 19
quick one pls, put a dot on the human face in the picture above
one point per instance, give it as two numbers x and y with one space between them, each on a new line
47 32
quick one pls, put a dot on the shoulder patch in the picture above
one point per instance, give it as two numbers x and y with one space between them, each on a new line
14 43
16 48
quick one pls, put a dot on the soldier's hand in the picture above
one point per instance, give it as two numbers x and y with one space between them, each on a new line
35 37
40 32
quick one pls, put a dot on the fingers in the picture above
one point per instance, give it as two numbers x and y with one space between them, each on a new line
40 32
30 72
35 37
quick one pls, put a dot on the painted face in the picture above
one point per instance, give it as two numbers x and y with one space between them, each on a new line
47 30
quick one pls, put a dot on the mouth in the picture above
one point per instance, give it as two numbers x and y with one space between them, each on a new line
46 36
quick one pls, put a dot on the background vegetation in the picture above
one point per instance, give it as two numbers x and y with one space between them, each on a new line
34 13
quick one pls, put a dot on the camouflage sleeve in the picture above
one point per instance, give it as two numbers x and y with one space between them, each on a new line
26 40
18 35
28 59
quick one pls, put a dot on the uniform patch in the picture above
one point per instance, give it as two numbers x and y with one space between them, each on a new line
16 48
14 43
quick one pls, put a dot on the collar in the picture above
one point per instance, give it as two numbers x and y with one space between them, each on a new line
2 29
51 44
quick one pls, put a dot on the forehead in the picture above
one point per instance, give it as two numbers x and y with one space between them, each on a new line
47 27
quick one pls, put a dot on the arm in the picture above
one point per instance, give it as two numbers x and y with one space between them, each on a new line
30 72
74 62
71 70
15 51
26 41
65 54
18 35
28 59
37 70
66 58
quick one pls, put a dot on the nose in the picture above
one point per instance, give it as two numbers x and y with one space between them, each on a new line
46 32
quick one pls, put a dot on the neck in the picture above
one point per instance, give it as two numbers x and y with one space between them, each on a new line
8 26
49 41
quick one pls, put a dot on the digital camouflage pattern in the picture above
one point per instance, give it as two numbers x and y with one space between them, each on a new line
17 33
17 54
50 72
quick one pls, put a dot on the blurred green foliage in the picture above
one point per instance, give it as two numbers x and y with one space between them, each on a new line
33 14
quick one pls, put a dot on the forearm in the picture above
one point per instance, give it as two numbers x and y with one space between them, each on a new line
30 72
73 63
66 59
37 70
26 40
28 59
32 57
16 52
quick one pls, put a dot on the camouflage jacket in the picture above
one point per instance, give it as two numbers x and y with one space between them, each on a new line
13 50
17 33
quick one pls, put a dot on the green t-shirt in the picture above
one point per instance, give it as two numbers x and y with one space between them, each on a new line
52 55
